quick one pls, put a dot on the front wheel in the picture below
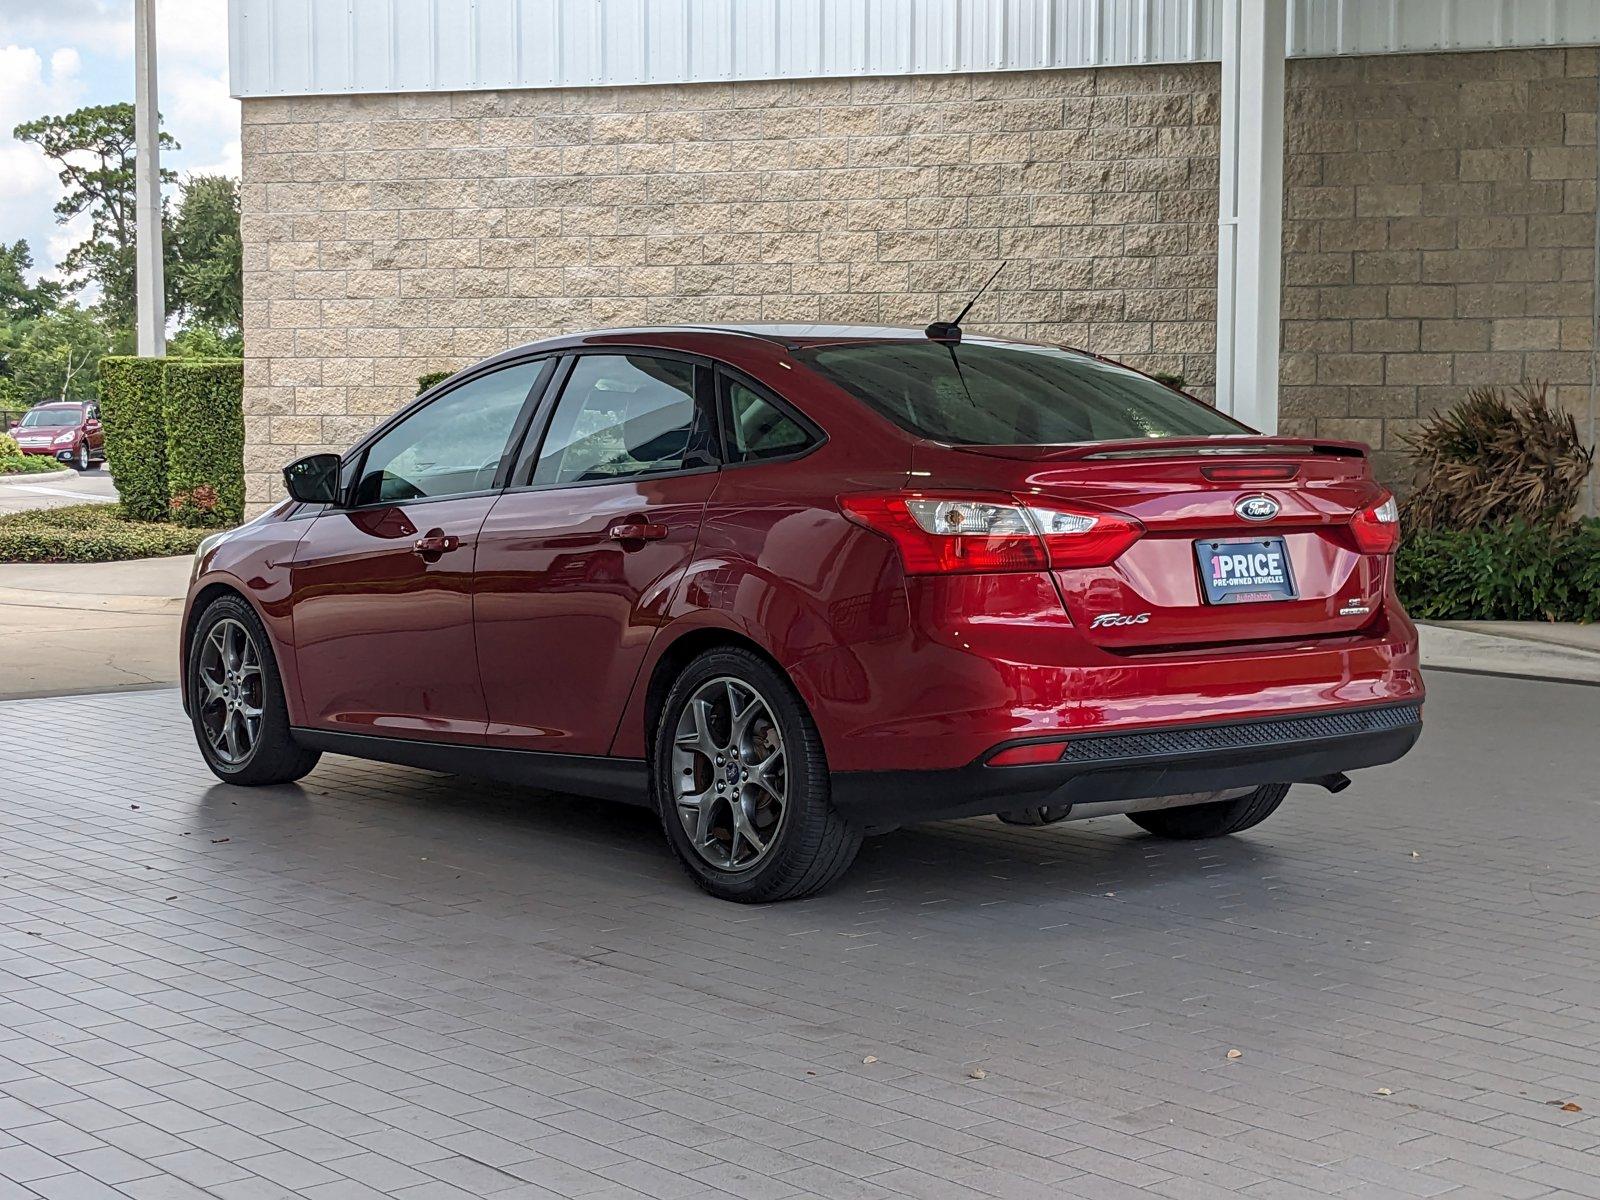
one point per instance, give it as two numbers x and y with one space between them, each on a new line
1213 820
81 460
236 699
741 784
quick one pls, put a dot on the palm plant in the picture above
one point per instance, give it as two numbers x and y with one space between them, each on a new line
1495 458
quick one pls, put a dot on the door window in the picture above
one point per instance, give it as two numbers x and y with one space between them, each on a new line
622 415
759 428
451 447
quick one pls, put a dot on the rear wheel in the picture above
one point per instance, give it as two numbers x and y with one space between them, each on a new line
1213 820
236 699
741 784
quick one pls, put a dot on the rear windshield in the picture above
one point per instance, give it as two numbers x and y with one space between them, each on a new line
988 395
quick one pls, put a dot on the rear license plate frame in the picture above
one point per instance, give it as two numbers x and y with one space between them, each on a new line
1259 587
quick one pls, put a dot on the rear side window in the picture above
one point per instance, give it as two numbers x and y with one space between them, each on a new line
758 428
986 395
623 415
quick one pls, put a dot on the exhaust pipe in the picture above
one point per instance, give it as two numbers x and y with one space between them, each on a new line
1337 782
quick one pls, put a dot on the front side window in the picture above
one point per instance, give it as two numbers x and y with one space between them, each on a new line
51 418
759 429
991 395
452 446
622 415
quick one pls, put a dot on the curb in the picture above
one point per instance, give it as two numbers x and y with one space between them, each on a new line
36 476
1451 649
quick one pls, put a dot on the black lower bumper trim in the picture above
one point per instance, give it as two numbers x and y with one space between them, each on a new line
1136 765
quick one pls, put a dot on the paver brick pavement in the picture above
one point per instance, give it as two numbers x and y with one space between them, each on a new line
391 983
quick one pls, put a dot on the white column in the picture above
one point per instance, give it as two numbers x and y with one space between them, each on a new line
1250 212
151 319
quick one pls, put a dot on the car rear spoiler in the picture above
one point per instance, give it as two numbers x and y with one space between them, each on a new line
1189 447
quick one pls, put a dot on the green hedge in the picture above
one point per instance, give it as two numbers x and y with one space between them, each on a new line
1511 573
14 462
203 411
90 533
424 382
136 440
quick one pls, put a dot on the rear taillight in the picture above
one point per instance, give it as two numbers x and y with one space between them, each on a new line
949 534
1377 529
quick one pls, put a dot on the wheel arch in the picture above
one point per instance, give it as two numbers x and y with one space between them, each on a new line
679 653
201 599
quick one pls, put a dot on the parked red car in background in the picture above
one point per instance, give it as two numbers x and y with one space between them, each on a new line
793 584
67 431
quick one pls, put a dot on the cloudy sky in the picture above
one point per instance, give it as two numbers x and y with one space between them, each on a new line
58 55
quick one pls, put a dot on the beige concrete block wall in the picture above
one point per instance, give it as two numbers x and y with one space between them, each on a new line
1439 235
389 236
1439 227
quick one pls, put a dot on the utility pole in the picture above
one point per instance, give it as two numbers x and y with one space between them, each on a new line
149 281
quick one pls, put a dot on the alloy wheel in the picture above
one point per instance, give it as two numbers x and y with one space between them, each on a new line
730 777
231 707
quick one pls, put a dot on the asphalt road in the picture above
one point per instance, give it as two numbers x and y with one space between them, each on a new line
19 493
389 982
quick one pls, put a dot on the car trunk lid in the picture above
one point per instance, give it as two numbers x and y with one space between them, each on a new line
1196 498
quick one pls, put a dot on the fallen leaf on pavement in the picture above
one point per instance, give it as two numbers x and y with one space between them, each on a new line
977 1073
869 1060
219 841
1569 1106
1235 1053
1384 1092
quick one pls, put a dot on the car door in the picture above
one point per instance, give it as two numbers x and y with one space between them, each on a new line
381 589
578 562
93 433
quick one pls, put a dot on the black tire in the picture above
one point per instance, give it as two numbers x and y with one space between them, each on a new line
1213 820
80 460
274 756
811 845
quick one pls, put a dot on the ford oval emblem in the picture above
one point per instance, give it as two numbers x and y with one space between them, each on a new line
1257 508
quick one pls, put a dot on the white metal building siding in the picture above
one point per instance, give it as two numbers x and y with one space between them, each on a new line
301 47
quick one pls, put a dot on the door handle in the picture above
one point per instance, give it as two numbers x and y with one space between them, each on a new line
436 544
636 531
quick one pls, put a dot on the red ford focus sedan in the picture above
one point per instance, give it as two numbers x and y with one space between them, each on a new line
790 585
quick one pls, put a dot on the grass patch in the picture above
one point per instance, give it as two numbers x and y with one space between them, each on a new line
85 533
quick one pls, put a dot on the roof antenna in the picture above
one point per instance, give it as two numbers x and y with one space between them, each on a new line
950 331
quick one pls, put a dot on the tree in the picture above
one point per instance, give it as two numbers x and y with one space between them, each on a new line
203 341
208 255
94 148
19 299
52 357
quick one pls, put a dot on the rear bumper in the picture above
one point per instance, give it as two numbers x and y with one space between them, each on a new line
1149 762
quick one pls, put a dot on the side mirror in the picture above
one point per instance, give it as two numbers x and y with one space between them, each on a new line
314 479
